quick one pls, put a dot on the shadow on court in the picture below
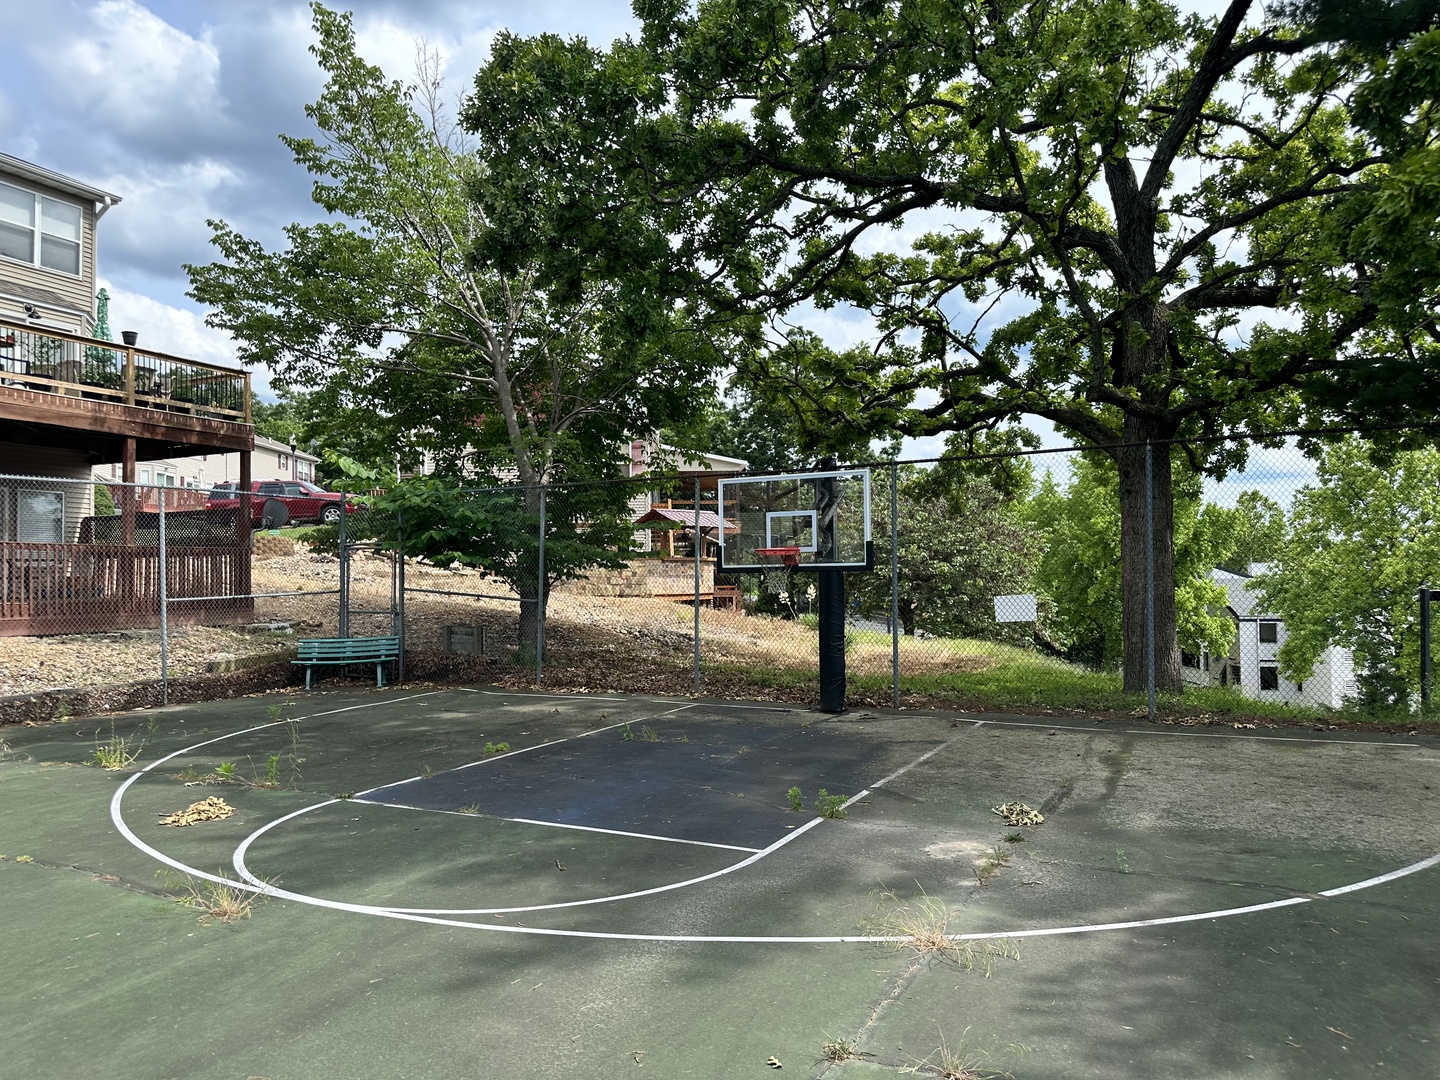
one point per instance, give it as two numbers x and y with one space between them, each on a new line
630 889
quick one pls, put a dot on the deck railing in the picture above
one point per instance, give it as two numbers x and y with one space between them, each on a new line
83 588
60 363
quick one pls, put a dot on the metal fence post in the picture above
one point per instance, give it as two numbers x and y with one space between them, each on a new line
1150 578
1425 672
164 599
540 596
344 554
695 681
895 584
397 580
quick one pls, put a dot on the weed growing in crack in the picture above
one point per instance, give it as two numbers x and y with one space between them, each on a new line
797 799
215 900
1015 838
831 806
626 734
960 1062
118 752
473 808
649 734
496 748
837 1048
992 862
923 927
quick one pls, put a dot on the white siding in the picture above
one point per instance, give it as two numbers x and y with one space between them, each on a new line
45 462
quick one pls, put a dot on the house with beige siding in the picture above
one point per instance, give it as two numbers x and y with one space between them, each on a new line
47 246
72 405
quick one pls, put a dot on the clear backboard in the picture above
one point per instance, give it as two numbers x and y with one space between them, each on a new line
825 515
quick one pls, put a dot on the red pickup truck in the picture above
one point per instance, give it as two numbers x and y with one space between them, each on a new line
304 503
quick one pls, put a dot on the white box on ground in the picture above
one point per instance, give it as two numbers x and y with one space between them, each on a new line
1017 608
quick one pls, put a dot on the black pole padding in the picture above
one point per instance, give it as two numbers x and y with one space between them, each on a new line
832 640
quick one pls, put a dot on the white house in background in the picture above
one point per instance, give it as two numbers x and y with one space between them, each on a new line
270 460
1252 664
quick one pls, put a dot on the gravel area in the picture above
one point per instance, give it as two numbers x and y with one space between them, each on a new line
591 641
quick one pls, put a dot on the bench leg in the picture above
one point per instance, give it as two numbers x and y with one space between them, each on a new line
380 674
308 669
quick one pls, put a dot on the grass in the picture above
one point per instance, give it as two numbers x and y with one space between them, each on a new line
974 674
473 808
955 1063
649 734
215 900
117 752
922 926
496 748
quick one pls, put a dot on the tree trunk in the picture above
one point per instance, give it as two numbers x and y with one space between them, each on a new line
1130 461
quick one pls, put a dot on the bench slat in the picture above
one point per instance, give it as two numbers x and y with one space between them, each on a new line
321 652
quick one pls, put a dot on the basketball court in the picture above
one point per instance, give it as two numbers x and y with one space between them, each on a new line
476 882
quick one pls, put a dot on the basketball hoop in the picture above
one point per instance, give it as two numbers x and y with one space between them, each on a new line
774 564
788 556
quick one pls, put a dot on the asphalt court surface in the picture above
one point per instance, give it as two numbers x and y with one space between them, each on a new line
1253 905
701 775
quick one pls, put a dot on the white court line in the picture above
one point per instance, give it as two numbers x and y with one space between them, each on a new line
560 825
255 885
636 835
542 697
513 753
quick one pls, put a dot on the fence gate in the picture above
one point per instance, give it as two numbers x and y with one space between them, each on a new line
372 586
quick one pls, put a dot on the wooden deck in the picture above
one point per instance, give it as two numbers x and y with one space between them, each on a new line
86 588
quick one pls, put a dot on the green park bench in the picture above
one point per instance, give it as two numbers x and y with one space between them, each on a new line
321 652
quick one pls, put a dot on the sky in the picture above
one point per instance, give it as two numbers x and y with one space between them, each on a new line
176 106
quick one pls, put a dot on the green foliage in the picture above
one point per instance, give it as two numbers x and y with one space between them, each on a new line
497 530
496 748
415 322
1363 539
1096 197
956 553
831 806
797 799
1080 569
104 502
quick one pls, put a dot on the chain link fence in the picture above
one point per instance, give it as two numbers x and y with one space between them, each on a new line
1284 579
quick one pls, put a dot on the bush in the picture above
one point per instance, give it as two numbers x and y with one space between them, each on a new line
104 503
320 538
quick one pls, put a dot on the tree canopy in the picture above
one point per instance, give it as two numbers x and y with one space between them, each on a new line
1362 541
1134 223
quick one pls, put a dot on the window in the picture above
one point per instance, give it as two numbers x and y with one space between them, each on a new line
39 517
1269 676
39 230
284 462
1269 632
1189 659
1235 674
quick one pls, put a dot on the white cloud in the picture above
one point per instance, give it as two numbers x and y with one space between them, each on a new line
134 71
162 221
